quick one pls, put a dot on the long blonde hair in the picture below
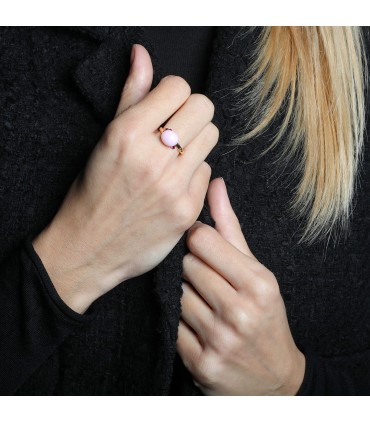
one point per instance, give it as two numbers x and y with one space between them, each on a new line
317 75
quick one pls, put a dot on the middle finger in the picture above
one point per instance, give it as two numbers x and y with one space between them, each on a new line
189 121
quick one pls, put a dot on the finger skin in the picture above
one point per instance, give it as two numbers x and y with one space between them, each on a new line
188 346
206 243
196 313
197 151
226 222
212 287
139 80
198 185
159 104
191 118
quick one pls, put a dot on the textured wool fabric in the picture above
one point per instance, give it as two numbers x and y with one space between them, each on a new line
183 51
59 88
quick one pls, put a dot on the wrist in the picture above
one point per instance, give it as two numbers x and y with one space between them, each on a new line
74 283
296 375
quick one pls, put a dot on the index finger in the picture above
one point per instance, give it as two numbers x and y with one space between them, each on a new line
160 103
236 267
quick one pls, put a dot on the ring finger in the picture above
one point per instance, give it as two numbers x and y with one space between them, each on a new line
196 313
197 151
188 122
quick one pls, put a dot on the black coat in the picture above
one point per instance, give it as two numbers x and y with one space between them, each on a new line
59 88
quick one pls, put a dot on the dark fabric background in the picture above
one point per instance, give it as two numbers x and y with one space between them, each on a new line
59 88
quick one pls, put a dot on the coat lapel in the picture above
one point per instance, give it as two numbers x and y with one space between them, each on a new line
226 62
101 75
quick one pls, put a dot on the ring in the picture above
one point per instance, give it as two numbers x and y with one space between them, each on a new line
170 138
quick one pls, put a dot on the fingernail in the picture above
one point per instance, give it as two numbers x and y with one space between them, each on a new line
132 54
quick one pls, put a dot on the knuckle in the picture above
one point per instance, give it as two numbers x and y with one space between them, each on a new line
198 235
240 320
208 138
130 124
204 102
265 286
169 194
185 220
228 343
211 134
227 305
179 84
268 293
119 138
207 168
192 361
211 131
188 259
209 370
215 130
183 214
258 270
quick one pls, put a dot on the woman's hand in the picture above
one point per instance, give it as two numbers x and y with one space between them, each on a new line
234 335
136 197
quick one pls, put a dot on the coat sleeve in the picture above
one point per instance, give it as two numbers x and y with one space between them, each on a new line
344 375
34 320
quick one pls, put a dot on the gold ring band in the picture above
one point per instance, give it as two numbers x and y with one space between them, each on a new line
177 145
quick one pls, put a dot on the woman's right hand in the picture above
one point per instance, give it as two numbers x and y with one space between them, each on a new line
136 197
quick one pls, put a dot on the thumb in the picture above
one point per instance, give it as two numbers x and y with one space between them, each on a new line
226 222
139 79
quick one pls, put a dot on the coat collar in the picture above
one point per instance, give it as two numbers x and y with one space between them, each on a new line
99 78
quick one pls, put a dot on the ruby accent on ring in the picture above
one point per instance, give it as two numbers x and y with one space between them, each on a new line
169 138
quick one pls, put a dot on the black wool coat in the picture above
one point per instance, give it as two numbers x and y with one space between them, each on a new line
59 88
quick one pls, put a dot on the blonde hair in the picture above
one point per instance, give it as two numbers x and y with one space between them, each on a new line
317 76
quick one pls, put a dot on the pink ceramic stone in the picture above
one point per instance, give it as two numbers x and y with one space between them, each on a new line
169 138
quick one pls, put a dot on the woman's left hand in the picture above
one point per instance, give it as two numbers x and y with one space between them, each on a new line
234 336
